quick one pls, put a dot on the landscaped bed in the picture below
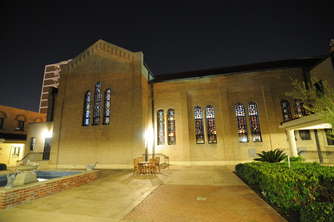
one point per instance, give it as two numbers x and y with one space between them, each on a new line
304 192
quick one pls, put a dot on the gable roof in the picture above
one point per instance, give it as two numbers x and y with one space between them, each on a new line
97 48
290 63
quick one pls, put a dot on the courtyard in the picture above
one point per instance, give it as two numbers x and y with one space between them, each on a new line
184 194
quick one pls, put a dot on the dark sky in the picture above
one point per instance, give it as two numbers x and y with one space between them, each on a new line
174 37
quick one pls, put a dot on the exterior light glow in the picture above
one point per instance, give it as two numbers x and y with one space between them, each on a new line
46 133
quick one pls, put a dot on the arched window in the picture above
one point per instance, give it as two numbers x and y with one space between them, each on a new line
86 109
240 113
21 119
211 124
3 116
299 108
199 130
107 104
97 104
171 127
161 127
254 122
286 110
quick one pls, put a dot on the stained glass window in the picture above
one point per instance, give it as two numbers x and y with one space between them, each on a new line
107 99
299 108
199 130
211 124
97 104
171 127
86 110
286 110
254 122
161 127
240 113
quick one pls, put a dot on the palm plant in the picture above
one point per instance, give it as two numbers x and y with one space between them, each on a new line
271 156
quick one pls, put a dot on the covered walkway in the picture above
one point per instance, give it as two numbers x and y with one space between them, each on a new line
311 122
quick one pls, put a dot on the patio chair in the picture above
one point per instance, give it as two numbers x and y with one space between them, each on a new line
157 163
136 166
152 166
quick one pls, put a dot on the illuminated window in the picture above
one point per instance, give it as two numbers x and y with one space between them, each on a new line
299 108
171 127
107 99
97 104
32 143
254 122
199 130
86 111
286 110
161 127
305 134
211 124
240 113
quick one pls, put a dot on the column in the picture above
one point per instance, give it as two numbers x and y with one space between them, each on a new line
292 142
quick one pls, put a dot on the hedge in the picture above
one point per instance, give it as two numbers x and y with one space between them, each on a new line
317 211
292 189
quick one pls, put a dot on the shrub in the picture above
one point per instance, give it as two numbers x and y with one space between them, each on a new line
290 189
320 212
296 159
271 156
3 166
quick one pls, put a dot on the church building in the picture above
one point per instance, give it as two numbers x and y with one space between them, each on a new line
110 108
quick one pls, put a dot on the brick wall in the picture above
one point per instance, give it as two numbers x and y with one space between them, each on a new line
15 196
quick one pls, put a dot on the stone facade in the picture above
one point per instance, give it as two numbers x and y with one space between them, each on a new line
136 96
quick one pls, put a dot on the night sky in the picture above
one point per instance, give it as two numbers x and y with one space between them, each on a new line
174 37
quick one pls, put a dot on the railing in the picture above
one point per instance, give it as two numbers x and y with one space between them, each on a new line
32 156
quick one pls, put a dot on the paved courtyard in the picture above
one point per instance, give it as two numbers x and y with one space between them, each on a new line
187 194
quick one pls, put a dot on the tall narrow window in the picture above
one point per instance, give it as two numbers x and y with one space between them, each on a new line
199 130
161 127
32 143
254 122
299 108
107 99
97 104
286 110
211 124
86 109
242 122
171 127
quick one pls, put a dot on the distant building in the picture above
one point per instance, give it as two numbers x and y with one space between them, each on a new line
13 131
50 79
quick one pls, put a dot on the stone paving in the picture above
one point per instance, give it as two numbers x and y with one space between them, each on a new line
187 194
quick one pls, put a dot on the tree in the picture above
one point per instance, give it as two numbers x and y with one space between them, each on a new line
317 97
